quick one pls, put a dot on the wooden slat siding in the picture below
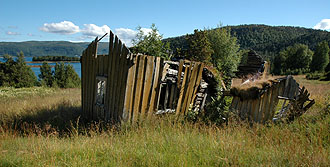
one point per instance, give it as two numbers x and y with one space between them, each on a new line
116 80
90 88
147 85
186 88
128 88
198 82
112 80
105 73
267 109
274 101
139 84
155 86
244 109
83 83
123 81
96 71
94 77
178 82
256 110
234 102
166 95
178 107
172 92
109 72
191 86
133 75
252 109
260 108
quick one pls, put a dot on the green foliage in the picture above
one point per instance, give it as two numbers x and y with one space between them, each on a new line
46 75
199 47
321 57
151 44
65 76
314 76
16 73
225 56
55 58
294 59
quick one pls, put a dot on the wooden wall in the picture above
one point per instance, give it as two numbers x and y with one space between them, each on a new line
263 108
132 86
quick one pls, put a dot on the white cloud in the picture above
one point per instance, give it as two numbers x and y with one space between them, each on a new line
323 25
12 33
92 30
64 27
126 35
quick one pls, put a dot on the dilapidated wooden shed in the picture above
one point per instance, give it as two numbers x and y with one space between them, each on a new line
122 86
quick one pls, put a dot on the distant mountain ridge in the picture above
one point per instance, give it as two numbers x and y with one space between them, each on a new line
267 40
48 48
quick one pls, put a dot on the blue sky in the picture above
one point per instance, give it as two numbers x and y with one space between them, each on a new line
71 20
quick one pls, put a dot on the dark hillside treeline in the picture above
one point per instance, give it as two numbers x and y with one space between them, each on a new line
268 41
46 48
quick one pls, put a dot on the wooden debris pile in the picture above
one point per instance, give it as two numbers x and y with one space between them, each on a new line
258 102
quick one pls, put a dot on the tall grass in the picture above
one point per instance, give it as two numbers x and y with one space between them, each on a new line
55 135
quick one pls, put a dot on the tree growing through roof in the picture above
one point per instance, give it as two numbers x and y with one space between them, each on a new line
151 43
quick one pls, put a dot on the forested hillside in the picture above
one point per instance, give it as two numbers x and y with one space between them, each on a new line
266 40
48 48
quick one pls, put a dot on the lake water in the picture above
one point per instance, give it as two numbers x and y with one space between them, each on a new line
36 70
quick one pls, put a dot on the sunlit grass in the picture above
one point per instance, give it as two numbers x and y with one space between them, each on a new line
46 130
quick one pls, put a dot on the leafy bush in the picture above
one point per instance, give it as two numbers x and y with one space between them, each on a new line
314 76
16 73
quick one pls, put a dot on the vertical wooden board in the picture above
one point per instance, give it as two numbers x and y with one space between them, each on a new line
243 109
128 89
112 79
94 77
155 86
82 64
274 102
263 103
192 82
183 91
96 113
133 88
249 110
186 88
117 81
198 81
179 103
89 81
139 84
109 73
147 85
172 92
256 109
267 105
123 81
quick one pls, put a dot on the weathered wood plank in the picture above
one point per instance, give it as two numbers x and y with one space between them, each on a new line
181 95
119 73
155 86
147 85
139 88
191 86
113 79
123 82
133 91
109 73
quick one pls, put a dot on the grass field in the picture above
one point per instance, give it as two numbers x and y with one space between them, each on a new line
42 127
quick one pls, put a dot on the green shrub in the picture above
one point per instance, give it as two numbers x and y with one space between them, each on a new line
314 76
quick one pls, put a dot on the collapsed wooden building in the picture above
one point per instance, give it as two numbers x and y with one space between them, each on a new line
122 86
125 86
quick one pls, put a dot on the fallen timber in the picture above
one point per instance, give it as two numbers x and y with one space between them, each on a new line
258 103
